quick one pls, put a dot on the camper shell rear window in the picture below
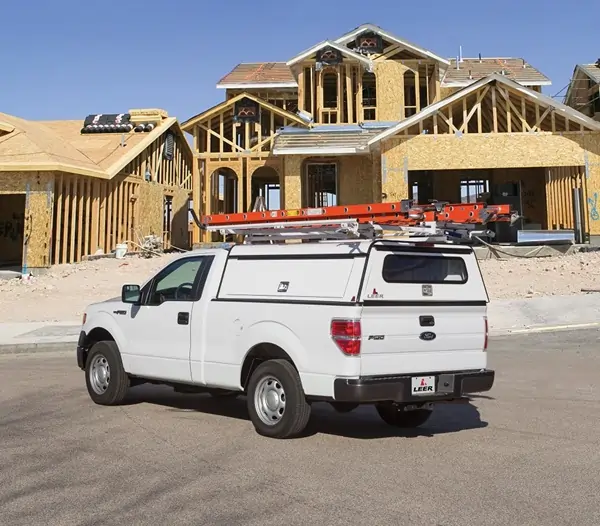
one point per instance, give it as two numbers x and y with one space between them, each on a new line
434 269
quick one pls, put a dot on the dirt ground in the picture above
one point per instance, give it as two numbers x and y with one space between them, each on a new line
63 293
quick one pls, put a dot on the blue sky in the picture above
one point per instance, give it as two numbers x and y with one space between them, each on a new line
65 59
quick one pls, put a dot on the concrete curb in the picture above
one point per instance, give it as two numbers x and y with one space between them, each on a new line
544 313
24 348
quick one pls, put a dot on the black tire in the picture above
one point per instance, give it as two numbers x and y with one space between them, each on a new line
280 379
394 416
114 389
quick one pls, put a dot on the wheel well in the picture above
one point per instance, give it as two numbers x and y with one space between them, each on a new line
259 354
96 335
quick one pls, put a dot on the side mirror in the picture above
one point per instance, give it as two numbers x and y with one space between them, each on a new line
131 294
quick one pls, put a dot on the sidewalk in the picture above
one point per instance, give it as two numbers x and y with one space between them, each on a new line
505 317
38 337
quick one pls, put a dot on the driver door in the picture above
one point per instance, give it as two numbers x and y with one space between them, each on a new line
159 329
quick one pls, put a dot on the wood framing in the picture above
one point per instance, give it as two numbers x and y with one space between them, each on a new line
221 133
408 113
68 214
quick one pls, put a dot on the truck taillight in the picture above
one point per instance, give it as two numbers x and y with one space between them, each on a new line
485 341
346 334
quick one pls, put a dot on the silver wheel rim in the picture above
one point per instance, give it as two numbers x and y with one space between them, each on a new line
99 374
270 400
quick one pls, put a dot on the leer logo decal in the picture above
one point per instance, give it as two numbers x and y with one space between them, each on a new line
375 295
423 387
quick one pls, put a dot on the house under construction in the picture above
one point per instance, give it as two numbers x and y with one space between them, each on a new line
73 188
369 117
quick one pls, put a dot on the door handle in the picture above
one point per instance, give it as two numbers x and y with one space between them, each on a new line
426 321
183 318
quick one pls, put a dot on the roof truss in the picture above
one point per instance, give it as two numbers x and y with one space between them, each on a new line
494 104
341 48
401 43
229 104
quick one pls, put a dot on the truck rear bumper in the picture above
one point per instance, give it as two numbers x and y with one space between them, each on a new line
448 385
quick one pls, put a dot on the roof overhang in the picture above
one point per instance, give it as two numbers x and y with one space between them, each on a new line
257 85
433 108
52 167
342 49
189 124
325 140
149 138
348 37
5 127
320 150
523 83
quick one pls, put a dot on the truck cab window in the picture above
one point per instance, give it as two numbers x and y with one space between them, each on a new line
178 282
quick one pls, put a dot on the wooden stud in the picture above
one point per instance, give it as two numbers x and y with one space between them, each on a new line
208 128
59 188
494 110
66 219
350 95
95 216
80 192
215 134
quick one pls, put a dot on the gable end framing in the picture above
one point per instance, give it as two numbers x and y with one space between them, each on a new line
493 105
230 129
167 160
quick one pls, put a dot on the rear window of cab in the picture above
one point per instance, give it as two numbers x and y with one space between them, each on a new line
406 268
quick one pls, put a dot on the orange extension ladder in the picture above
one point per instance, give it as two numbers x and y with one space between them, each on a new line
452 221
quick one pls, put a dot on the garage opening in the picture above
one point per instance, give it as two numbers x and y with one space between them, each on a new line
12 221
542 196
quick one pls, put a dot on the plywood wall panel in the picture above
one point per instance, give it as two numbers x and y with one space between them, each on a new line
389 76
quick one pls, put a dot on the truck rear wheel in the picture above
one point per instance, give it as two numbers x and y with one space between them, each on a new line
106 380
276 401
394 415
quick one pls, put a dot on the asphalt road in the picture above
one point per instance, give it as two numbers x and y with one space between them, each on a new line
527 454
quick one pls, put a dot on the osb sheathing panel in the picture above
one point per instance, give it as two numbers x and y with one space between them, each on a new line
38 228
292 177
446 92
12 217
150 209
355 179
180 224
474 151
389 76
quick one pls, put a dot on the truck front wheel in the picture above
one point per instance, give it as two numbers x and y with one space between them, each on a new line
394 415
276 401
106 380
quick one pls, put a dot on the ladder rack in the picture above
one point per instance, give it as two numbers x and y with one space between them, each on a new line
403 220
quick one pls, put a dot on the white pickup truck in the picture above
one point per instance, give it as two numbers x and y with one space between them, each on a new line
395 324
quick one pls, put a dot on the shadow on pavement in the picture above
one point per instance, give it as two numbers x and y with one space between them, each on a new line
362 423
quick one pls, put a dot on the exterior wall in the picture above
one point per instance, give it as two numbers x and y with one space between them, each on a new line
93 214
390 75
357 179
485 151
38 189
